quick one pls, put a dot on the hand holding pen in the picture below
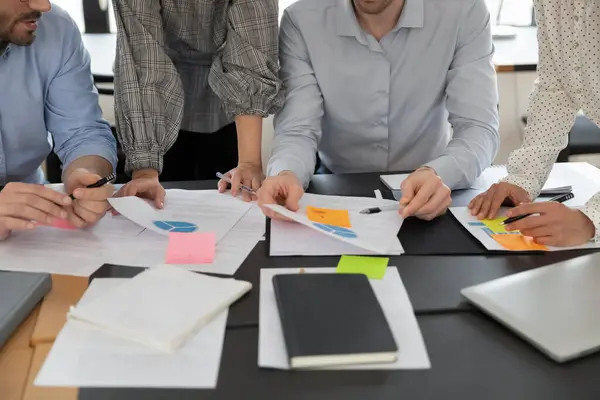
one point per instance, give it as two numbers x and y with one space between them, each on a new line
89 197
552 223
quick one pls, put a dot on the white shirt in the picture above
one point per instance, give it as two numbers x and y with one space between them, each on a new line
367 105
568 81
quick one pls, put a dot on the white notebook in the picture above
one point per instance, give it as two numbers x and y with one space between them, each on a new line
161 307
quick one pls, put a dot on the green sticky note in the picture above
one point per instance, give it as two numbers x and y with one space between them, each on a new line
495 225
372 267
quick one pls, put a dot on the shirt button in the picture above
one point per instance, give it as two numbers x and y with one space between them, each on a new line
575 45
577 69
576 18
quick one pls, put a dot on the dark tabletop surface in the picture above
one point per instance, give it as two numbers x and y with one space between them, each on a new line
472 356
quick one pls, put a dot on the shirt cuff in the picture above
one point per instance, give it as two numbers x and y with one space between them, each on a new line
592 211
143 159
530 185
105 151
447 170
277 167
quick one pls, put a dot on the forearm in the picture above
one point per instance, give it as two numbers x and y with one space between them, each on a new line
93 164
470 151
249 136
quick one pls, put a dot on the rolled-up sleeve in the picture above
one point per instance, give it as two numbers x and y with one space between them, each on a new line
72 113
472 102
245 72
298 124
148 91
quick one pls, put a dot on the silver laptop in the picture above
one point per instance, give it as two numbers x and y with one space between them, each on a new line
19 294
556 308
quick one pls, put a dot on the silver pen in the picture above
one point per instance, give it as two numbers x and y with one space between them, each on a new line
243 187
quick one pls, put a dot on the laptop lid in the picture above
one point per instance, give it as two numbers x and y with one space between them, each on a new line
19 293
556 308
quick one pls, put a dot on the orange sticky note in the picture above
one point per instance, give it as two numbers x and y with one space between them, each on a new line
517 242
62 224
191 248
329 217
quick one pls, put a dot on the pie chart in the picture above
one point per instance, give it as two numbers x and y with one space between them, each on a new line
176 226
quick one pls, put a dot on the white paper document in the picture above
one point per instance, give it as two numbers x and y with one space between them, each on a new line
394 302
375 233
117 240
582 177
162 307
483 233
185 211
83 356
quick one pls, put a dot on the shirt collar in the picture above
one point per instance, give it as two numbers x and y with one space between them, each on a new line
4 49
347 25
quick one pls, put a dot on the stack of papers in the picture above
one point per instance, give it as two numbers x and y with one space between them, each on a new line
84 356
333 225
392 297
161 307
237 228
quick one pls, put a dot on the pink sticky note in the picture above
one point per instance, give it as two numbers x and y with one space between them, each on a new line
190 248
62 224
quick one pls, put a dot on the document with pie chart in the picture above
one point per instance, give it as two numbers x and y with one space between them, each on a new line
339 218
185 211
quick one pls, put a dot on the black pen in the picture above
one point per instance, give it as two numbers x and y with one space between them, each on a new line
558 199
101 182
375 210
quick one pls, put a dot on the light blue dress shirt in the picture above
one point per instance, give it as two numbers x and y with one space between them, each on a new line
371 106
48 93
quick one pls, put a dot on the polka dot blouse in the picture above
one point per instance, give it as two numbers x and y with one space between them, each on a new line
568 81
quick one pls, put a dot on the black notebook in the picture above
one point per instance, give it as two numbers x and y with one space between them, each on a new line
332 320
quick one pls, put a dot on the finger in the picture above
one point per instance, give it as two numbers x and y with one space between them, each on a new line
16 224
475 204
256 183
292 200
486 202
407 188
531 208
265 196
46 206
222 186
245 195
495 204
547 240
436 204
43 192
95 207
26 213
75 219
236 180
531 222
541 231
159 198
95 194
421 198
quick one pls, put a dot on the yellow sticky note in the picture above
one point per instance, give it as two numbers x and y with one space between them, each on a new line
372 267
495 225
328 216
517 242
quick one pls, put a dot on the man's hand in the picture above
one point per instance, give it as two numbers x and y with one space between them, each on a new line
284 189
247 174
23 204
487 204
424 195
90 205
145 185
556 224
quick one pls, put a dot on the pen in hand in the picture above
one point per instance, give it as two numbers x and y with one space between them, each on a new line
558 199
97 184
243 187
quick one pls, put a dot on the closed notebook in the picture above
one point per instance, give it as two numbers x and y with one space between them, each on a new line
332 320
